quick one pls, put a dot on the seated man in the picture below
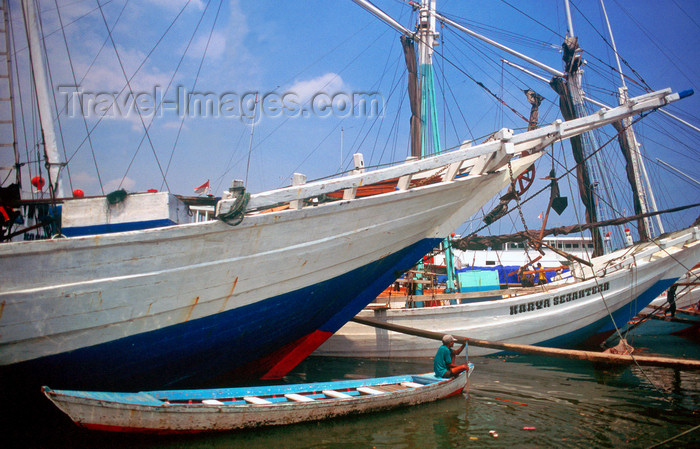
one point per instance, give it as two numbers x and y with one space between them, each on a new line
444 363
525 279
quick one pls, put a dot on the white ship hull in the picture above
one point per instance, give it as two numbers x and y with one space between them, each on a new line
564 313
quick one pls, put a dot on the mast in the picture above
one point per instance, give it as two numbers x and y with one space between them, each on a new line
643 197
421 92
427 35
571 105
569 22
571 108
10 98
414 95
568 86
41 84
430 134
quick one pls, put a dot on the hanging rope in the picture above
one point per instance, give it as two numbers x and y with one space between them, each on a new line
131 92
235 216
75 83
196 77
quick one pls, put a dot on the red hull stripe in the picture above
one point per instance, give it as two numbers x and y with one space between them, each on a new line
289 358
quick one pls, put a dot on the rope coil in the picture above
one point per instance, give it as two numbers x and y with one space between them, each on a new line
235 216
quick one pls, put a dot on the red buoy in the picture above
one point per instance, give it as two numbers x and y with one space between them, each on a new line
38 182
77 193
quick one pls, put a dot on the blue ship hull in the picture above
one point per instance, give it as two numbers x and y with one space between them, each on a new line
227 344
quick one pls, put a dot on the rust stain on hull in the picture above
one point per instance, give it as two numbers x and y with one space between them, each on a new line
230 293
191 309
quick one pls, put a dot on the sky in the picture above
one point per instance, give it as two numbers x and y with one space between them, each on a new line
313 65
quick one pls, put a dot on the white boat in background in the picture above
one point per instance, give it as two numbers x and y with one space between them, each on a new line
518 254
574 311
499 265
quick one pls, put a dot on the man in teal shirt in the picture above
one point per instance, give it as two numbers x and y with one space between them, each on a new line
444 363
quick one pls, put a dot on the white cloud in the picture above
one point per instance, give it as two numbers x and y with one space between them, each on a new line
329 83
82 180
215 49
107 74
113 184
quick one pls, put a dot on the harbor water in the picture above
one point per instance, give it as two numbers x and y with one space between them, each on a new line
515 401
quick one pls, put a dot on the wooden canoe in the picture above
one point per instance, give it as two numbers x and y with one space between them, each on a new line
189 411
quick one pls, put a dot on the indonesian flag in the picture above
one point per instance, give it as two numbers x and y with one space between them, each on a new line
203 188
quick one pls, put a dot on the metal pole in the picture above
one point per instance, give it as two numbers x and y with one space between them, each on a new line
677 171
641 177
384 16
498 45
612 41
41 84
568 18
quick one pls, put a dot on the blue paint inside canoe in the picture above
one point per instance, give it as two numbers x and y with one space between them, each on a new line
193 352
424 379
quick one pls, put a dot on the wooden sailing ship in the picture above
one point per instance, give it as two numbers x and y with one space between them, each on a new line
179 299
570 311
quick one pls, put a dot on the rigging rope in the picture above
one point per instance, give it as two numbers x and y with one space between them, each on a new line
75 82
196 77
653 41
131 92
87 71
13 45
568 171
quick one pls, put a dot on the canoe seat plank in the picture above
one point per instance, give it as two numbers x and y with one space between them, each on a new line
212 402
389 387
411 384
298 397
336 394
368 390
256 400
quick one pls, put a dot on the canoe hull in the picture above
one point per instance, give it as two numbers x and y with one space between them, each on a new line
106 413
